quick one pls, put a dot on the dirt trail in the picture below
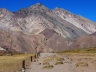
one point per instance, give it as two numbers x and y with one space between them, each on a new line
68 65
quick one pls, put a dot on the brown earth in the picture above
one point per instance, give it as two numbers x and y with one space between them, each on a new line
71 63
21 42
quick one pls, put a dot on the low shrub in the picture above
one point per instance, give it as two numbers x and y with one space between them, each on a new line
81 64
58 63
48 66
61 59
45 63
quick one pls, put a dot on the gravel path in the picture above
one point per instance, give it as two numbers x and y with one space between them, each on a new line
68 65
36 67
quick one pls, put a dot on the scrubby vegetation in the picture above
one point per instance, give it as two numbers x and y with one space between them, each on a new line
53 58
83 50
60 59
81 64
48 66
13 63
45 63
58 63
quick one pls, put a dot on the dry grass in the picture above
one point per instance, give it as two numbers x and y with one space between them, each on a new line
52 58
83 50
48 67
87 52
13 63
81 64
58 63
46 63
61 59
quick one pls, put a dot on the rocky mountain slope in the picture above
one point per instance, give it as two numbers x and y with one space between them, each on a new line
77 20
38 28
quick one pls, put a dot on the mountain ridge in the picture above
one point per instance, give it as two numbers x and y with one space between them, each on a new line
57 29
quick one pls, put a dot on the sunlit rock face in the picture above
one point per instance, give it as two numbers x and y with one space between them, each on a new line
38 28
77 20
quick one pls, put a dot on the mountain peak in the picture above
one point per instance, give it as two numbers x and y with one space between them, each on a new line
38 4
56 8
5 11
61 10
38 8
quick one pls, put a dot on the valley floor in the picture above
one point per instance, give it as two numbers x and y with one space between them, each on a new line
50 62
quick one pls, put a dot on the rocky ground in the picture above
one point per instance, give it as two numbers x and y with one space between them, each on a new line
51 62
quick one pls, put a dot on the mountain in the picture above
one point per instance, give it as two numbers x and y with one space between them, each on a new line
38 28
80 22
